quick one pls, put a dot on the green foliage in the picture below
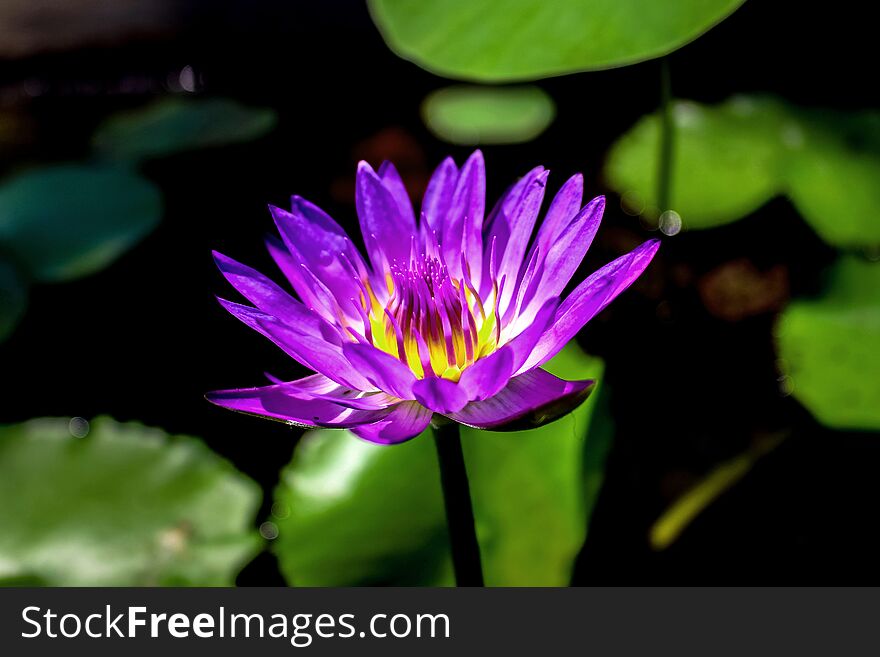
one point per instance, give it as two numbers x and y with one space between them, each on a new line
732 158
507 40
350 512
124 506
67 221
830 347
472 115
174 125
704 492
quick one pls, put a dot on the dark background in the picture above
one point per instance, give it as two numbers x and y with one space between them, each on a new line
693 382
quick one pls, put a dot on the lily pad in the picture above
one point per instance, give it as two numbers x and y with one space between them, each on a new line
727 161
13 298
176 124
730 159
473 115
67 221
124 505
506 40
830 347
351 512
834 177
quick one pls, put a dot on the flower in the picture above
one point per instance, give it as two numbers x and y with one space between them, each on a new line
450 315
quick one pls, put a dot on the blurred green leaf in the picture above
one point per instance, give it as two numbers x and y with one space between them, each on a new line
124 506
354 513
66 221
177 124
833 178
727 161
351 512
530 488
730 159
13 298
830 347
506 40
472 115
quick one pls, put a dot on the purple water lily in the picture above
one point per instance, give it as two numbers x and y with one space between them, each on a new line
451 315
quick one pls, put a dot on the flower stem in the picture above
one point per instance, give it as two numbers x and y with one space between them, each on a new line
459 512
667 139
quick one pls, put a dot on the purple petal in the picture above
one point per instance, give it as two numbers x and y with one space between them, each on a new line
387 234
320 387
529 400
520 224
406 420
463 225
394 183
266 295
317 352
498 224
488 375
440 395
313 239
438 195
565 254
381 369
287 403
590 298
523 343
563 209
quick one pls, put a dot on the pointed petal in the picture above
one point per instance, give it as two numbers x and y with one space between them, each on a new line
529 400
394 183
286 403
440 395
387 234
406 420
314 240
438 195
520 224
563 209
381 369
590 298
317 352
463 225
566 254
266 295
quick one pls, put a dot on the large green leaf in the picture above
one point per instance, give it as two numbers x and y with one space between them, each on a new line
505 40
472 115
730 159
176 124
834 178
125 505
727 161
830 347
351 512
13 297
66 221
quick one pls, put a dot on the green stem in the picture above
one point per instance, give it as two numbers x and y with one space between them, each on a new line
667 139
459 512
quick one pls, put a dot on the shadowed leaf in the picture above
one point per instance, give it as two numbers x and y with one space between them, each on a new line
67 221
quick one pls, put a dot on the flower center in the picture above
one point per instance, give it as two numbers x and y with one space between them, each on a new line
434 323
